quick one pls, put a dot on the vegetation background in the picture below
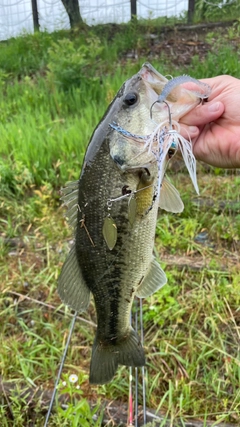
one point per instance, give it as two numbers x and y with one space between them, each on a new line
54 90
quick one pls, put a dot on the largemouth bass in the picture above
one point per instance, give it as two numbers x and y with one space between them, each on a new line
113 208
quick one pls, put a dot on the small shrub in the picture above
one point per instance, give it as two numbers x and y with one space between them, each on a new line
74 66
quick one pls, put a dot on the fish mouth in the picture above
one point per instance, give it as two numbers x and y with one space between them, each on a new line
150 75
180 100
154 83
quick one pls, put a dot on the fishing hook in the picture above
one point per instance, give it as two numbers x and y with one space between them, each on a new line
169 112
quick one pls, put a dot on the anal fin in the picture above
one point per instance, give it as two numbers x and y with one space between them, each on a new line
72 288
154 280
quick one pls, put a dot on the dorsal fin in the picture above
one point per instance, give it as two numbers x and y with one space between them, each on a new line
70 199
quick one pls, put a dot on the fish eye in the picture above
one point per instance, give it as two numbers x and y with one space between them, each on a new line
171 152
130 99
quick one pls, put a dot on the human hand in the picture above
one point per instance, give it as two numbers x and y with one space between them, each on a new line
214 126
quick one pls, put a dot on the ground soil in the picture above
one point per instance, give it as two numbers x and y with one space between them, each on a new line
181 43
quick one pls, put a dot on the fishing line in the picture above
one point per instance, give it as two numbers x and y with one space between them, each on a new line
130 393
128 195
136 397
138 319
136 369
60 369
130 399
143 367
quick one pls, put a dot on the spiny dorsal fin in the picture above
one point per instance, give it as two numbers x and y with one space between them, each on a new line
70 199
170 199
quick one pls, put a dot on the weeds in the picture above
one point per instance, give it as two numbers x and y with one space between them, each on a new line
72 66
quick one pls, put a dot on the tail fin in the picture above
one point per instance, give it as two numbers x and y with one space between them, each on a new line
107 357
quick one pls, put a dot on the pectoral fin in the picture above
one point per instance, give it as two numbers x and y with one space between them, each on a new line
72 288
154 280
170 199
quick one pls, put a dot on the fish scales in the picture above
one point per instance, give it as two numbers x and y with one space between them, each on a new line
113 270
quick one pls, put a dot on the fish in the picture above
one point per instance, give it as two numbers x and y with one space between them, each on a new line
113 209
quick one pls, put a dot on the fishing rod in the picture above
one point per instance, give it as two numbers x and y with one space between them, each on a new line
143 367
136 369
60 368
131 415
138 318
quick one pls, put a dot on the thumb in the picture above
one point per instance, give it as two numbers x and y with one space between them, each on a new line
203 114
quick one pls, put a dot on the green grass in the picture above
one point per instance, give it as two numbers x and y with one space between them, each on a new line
192 324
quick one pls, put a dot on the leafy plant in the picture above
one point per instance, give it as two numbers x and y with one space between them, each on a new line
216 9
78 410
73 66
15 179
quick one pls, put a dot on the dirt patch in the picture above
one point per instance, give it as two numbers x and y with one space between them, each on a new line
180 44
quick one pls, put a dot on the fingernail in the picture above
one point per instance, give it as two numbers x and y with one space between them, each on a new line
193 129
214 107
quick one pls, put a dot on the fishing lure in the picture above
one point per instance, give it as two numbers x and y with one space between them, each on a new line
176 81
163 143
126 133
110 232
109 226
169 140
